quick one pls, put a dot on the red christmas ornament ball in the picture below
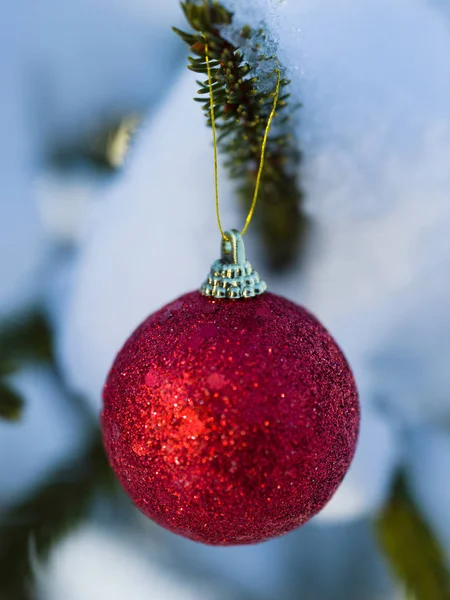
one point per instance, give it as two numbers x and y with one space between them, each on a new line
230 422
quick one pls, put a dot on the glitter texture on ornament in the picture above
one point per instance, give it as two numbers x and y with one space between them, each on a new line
230 422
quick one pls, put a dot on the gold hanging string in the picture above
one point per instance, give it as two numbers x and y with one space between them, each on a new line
214 132
263 147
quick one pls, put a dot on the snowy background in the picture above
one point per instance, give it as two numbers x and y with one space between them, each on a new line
93 248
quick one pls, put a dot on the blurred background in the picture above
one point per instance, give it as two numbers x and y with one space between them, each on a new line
106 187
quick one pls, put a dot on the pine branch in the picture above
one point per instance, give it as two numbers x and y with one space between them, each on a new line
411 548
243 101
55 508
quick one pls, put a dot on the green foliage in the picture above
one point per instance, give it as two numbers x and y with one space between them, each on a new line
25 339
29 530
243 102
21 341
411 548
11 403
104 149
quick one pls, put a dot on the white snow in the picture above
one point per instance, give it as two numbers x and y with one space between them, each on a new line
22 244
97 59
66 68
94 563
49 431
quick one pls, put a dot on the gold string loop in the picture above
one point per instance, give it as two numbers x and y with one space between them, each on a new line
263 147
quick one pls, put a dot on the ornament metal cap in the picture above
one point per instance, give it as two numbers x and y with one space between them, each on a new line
232 276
